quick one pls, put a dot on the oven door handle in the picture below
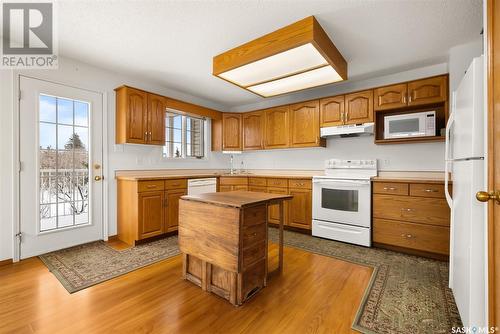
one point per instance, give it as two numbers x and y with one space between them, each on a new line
343 181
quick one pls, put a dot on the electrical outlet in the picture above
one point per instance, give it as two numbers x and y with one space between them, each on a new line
386 162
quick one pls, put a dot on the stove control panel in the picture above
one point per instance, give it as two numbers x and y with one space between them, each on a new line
351 164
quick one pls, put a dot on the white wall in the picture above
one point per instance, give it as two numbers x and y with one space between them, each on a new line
460 58
77 74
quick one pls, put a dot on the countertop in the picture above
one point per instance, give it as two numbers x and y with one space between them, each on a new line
237 199
142 175
411 177
384 176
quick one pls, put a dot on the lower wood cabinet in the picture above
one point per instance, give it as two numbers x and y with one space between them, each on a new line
300 208
148 208
411 217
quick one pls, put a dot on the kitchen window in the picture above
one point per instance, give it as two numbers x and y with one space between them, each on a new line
184 136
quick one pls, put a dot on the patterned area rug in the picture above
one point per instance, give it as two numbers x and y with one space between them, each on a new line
407 294
85 265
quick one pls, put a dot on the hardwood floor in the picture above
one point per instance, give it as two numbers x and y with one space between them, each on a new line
315 294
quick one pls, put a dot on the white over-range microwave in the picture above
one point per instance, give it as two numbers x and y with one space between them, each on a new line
420 124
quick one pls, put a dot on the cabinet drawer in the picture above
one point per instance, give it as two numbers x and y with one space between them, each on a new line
281 183
150 185
433 239
390 188
259 189
257 181
254 234
427 190
176 184
229 180
423 210
254 253
300 183
254 215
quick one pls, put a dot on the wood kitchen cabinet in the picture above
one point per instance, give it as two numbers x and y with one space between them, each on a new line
332 111
277 127
148 208
151 214
411 217
300 207
359 107
428 91
253 130
232 183
140 117
413 93
390 97
304 124
231 132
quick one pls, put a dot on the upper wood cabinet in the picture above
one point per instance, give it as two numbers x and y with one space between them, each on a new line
231 132
359 107
253 130
304 124
277 129
332 111
140 117
156 119
390 97
427 91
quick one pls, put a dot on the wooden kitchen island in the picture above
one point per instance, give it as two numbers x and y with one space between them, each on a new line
223 238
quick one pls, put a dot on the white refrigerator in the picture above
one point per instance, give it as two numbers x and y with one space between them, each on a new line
465 147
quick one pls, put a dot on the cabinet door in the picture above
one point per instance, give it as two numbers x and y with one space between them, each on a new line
427 91
172 208
225 188
304 124
137 116
156 120
273 215
300 208
253 129
390 97
231 132
331 111
276 127
151 214
359 107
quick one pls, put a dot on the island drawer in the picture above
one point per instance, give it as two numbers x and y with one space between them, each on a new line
280 183
254 215
434 239
176 184
257 181
253 253
427 190
254 234
390 188
143 186
432 211
300 183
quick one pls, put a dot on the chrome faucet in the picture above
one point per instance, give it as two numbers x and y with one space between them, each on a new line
232 170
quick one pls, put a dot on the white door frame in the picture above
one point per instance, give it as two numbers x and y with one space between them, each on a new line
16 168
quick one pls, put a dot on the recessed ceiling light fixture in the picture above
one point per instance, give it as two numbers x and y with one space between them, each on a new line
296 57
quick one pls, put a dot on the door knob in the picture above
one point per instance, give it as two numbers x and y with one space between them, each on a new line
483 196
98 178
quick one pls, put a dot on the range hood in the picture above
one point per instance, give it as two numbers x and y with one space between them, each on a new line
347 130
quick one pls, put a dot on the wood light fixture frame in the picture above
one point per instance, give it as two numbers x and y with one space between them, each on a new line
305 31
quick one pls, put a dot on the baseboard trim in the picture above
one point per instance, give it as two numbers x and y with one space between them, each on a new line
6 262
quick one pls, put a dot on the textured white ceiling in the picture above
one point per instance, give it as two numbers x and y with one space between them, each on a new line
172 42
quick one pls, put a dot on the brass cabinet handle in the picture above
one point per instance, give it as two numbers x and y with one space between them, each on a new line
145 136
389 188
151 186
404 98
165 202
430 190
407 236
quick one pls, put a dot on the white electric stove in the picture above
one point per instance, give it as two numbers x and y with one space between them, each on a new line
342 201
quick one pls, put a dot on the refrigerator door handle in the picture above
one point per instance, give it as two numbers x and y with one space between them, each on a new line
447 161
